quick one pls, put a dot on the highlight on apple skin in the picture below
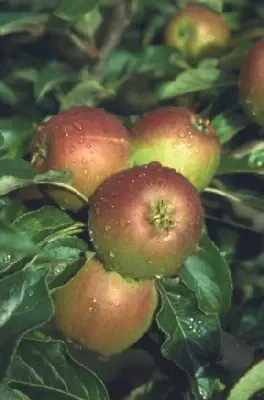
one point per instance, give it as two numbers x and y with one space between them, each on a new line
251 83
178 138
198 32
103 311
91 142
145 221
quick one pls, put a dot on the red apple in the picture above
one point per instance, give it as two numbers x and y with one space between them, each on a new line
251 83
145 221
197 32
103 311
177 138
91 142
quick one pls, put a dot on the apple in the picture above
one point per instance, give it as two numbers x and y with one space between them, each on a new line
91 142
103 311
145 221
251 86
177 138
197 32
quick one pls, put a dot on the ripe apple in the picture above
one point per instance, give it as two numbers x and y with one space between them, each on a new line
91 142
145 221
177 138
251 83
103 311
197 32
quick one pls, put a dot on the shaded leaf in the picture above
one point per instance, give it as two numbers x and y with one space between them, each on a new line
11 22
254 164
229 123
47 365
17 173
207 274
70 11
248 322
8 393
196 80
192 339
41 226
24 305
49 78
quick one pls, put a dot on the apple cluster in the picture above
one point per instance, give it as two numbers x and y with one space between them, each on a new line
145 213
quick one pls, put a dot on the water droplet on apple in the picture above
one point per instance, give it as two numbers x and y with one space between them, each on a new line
84 161
86 171
78 126
72 149
107 228
110 302
111 254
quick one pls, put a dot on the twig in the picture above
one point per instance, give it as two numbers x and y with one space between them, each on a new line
113 37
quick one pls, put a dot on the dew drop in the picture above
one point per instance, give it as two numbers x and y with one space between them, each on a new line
74 161
90 309
86 172
84 161
111 254
78 126
88 145
81 140
107 228
110 303
72 149
117 304
94 300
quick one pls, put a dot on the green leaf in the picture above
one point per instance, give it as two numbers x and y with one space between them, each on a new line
14 22
192 338
249 384
49 78
65 256
160 59
58 371
10 239
16 133
8 393
24 305
70 11
17 173
89 23
155 390
207 274
196 80
229 123
84 93
40 227
253 163
8 95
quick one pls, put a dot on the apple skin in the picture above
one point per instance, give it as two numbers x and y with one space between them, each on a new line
251 83
91 142
103 311
145 221
197 32
180 139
